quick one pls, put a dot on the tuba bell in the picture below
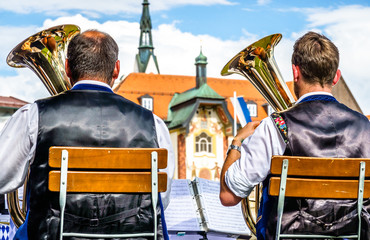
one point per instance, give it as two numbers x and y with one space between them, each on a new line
44 53
257 63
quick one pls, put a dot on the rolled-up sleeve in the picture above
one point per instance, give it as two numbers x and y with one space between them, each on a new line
164 141
255 158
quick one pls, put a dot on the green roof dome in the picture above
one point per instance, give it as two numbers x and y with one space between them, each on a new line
201 59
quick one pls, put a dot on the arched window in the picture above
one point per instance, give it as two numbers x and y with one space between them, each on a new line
203 143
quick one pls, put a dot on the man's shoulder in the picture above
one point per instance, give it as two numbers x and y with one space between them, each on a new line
130 103
351 112
71 96
325 110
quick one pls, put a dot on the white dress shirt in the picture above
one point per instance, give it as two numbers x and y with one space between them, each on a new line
18 140
255 158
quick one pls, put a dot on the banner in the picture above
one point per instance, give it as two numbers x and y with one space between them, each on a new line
241 109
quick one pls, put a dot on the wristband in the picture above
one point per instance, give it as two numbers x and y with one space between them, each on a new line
233 147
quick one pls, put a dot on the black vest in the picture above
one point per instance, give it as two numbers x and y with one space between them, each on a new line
324 129
91 119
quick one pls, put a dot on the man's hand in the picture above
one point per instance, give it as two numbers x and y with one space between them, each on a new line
246 131
227 197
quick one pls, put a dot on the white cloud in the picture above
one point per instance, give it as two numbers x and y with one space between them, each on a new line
175 50
9 38
25 85
25 6
59 8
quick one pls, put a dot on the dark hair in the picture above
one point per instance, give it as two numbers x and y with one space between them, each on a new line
317 57
92 54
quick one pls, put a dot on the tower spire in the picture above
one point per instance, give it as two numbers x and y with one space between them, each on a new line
145 60
201 69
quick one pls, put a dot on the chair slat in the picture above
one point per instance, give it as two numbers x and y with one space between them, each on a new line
109 182
319 188
107 158
324 167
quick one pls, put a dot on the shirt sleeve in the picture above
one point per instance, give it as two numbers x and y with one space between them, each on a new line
164 141
18 143
255 158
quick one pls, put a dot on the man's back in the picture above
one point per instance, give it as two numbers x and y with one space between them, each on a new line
93 119
323 129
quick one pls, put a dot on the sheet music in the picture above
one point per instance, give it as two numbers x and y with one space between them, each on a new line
218 217
182 214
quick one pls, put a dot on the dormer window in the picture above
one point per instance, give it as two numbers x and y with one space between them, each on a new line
269 110
252 108
146 101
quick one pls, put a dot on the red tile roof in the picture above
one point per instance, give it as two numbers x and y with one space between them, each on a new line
162 88
11 102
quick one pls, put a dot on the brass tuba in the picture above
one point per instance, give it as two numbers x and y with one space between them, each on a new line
44 53
257 63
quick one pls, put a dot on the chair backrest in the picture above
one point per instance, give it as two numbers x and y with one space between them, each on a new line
107 170
119 170
311 177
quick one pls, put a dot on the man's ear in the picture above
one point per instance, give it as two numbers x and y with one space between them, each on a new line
295 72
337 77
68 71
116 70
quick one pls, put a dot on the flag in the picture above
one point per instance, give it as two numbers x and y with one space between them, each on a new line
241 110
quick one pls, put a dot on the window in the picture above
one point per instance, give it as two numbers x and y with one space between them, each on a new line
252 107
270 110
203 143
147 103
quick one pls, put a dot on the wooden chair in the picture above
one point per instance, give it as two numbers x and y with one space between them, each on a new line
309 177
107 170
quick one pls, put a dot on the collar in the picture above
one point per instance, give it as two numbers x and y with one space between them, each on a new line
315 96
92 85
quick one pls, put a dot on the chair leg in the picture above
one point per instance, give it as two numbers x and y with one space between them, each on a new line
284 173
63 189
360 195
155 190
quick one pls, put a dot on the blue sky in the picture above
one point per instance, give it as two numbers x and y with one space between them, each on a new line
222 27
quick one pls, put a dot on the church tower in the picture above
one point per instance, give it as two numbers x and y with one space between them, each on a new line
146 61
201 69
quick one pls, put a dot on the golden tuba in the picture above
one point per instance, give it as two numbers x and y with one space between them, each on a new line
257 63
44 53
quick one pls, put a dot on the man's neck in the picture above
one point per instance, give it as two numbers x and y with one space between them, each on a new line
312 94
308 88
90 81
93 79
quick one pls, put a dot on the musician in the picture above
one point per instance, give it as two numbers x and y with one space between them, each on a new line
89 115
317 126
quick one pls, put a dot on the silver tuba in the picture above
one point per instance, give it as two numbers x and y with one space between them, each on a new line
257 63
44 53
